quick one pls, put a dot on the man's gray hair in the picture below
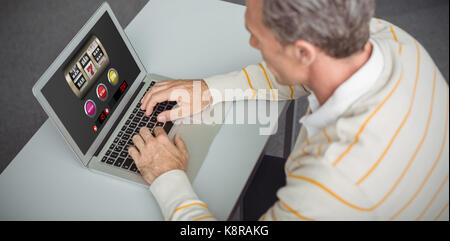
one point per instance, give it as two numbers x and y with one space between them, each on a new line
338 27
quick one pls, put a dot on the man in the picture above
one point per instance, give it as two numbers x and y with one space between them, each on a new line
374 143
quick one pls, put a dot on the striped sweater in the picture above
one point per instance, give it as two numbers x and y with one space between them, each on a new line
385 158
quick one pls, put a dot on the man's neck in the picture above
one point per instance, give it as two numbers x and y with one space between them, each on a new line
329 73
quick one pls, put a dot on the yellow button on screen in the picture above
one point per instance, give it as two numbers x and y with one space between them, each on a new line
113 76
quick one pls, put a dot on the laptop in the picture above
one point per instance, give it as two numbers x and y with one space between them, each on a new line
92 94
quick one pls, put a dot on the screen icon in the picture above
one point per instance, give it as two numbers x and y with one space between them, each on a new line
90 108
90 70
102 92
86 67
113 76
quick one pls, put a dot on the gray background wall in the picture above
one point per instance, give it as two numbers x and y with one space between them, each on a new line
32 33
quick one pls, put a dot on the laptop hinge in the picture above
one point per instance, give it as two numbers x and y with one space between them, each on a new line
125 109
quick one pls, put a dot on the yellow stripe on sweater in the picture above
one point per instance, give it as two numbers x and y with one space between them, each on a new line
436 194
435 162
268 80
185 206
203 217
397 132
366 122
441 212
250 84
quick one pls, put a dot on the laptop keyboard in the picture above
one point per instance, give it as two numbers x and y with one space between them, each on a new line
117 154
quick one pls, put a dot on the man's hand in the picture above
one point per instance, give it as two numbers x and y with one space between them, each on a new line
192 97
157 155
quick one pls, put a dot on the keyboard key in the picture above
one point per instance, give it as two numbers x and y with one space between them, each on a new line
135 110
129 131
159 124
133 168
114 154
168 126
118 149
160 108
104 159
124 154
164 104
168 107
112 146
138 105
126 137
146 118
133 125
136 119
116 140
107 153
153 119
110 161
140 114
150 125
119 162
154 113
131 117
141 124
122 143
120 134
128 122
127 163
124 128
130 142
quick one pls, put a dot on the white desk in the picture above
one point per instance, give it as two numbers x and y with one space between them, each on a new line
177 38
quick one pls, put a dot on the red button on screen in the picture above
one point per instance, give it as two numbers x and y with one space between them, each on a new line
102 92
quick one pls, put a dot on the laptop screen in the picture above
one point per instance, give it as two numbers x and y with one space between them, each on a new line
89 85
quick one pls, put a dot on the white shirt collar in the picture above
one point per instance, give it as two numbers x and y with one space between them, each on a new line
345 95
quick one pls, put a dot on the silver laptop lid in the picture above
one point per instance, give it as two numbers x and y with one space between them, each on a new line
88 85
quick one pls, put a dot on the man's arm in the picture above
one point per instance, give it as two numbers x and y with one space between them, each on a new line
256 82
162 164
177 199
193 96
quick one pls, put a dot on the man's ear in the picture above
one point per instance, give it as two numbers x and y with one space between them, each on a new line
304 52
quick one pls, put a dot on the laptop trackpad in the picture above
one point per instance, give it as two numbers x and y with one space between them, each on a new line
198 132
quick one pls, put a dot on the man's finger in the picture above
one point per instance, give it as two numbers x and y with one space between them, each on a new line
134 153
181 145
160 133
146 134
174 114
156 98
165 82
156 88
139 142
